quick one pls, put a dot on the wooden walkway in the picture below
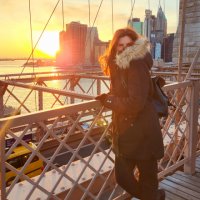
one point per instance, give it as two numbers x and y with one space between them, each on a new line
180 186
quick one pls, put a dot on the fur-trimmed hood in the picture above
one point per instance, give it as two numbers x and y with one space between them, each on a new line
140 48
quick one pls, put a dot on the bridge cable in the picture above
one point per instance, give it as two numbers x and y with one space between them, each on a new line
31 32
34 46
89 11
164 6
112 19
63 17
132 7
89 35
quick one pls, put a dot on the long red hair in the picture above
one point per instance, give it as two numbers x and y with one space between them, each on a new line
107 58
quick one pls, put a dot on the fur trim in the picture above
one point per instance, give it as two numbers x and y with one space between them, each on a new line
137 51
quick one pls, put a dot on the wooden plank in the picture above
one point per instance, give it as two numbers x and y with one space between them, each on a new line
171 192
197 161
193 178
198 174
195 189
197 170
172 196
198 164
182 191
188 179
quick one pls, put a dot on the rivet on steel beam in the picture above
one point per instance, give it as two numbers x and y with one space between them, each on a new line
62 188
110 167
63 167
101 170
83 178
92 174
54 171
97 154
72 164
38 198
20 184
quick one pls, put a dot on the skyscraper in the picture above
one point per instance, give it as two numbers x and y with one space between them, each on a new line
168 47
79 45
91 39
136 24
149 23
72 43
161 23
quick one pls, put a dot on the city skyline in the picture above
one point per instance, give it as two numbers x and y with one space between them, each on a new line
16 38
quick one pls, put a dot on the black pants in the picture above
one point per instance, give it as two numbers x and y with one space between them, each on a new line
146 187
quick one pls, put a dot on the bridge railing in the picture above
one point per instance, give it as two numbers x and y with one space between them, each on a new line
49 90
73 130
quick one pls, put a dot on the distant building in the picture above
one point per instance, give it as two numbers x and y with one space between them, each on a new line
91 38
136 24
157 51
161 21
72 43
149 24
168 47
155 29
78 45
100 48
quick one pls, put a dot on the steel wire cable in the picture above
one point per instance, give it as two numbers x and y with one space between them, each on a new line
132 7
31 33
33 49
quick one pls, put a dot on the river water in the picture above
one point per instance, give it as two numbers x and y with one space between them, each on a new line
16 66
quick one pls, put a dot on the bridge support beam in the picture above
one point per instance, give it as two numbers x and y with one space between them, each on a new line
3 87
191 135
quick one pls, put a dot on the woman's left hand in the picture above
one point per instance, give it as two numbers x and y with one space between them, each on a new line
101 97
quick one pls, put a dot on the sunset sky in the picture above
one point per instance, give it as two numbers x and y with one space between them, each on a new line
15 34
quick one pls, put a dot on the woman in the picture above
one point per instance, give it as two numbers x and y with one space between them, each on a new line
137 138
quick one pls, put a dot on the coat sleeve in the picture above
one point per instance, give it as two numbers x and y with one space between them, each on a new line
138 91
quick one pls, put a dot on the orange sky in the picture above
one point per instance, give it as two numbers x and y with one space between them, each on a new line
15 35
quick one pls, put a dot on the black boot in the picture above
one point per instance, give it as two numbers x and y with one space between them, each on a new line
160 194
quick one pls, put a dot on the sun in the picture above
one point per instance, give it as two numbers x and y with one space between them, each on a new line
49 43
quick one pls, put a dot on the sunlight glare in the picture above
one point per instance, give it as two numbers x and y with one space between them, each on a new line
49 43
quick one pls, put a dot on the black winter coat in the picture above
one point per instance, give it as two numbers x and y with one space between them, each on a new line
136 130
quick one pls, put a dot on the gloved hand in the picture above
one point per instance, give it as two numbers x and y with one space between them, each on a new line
101 97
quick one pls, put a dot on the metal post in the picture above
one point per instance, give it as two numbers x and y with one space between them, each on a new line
72 80
3 87
181 46
191 135
40 97
1 106
2 165
98 86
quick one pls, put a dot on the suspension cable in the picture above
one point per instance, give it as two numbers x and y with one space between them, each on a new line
63 17
89 35
177 13
31 32
132 7
112 19
34 47
89 10
164 6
